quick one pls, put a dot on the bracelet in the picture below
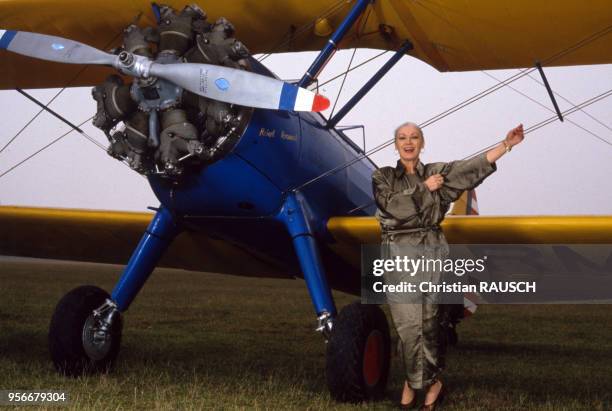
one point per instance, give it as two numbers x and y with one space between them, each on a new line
507 146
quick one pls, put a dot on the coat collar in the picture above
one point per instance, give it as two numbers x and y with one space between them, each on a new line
400 169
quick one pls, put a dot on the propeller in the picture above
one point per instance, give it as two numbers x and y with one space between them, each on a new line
215 82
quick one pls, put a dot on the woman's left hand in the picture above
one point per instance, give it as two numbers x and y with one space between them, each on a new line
515 135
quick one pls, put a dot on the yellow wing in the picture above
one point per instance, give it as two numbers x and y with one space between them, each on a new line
111 236
351 232
451 35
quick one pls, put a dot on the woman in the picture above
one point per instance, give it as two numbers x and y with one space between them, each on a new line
412 200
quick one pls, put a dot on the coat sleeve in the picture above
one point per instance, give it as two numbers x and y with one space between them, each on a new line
399 205
464 175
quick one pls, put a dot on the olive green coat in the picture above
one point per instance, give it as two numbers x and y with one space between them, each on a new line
410 214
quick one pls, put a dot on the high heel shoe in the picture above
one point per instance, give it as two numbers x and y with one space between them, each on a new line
437 402
409 406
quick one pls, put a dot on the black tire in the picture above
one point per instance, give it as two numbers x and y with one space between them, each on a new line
358 354
67 333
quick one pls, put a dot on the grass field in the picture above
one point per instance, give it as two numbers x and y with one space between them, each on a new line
205 341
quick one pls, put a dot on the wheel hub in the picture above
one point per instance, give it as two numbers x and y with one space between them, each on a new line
372 358
97 342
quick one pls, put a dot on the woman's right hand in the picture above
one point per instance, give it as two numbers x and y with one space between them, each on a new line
434 182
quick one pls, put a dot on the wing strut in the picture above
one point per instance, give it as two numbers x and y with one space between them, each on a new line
48 110
332 44
550 92
371 83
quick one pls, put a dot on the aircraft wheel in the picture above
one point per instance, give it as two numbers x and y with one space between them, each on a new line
78 346
358 354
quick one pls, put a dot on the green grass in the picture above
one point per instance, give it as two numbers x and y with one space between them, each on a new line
197 340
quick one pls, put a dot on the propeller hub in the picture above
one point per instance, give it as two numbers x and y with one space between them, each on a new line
156 94
133 65
126 58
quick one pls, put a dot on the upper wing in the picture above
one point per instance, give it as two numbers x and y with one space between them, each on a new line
451 35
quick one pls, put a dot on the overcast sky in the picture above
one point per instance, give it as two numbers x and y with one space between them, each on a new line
559 169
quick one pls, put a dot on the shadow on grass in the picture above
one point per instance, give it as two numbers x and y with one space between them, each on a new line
24 345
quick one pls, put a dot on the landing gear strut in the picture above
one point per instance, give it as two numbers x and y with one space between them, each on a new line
85 331
358 338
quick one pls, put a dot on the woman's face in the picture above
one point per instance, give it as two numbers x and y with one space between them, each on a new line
409 143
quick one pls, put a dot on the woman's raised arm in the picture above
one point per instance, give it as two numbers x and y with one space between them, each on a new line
466 174
514 137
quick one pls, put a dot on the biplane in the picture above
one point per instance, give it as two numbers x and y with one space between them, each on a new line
251 180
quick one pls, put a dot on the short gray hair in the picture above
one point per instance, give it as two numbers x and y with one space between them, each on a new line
408 123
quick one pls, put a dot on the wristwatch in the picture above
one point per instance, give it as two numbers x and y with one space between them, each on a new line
508 146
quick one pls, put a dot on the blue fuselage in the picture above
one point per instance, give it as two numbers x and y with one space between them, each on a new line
278 152
238 196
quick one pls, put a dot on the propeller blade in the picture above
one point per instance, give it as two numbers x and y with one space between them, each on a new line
53 48
215 82
240 87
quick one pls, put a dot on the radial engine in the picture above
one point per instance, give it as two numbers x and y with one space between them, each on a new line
155 126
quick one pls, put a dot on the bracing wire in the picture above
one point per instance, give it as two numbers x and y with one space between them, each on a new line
70 82
462 104
552 119
348 69
353 68
62 118
528 130
42 149
552 111
34 117
573 110
592 117
342 84
88 137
